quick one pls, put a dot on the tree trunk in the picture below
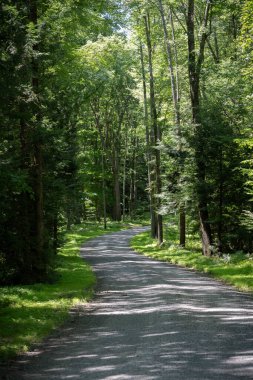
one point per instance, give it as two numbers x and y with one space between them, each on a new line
158 138
148 154
182 227
133 191
55 233
170 66
68 218
117 206
124 180
176 103
104 190
39 218
155 139
220 202
98 211
24 220
39 262
182 215
194 68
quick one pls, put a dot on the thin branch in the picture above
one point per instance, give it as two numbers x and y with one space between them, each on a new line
203 38
215 57
179 21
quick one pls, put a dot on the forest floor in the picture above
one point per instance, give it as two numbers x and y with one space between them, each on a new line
149 320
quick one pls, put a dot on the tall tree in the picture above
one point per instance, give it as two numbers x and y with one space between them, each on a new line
156 184
195 62
174 78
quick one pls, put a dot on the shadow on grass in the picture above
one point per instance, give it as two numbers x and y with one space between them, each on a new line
30 312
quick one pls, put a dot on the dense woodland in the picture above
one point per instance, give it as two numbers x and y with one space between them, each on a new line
114 109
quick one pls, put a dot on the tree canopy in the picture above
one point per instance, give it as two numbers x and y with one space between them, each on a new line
119 109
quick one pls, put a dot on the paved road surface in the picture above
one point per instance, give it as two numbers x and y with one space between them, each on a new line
149 320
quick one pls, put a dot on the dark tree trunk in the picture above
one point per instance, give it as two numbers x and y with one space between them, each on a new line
124 179
148 154
69 219
220 222
55 233
39 217
182 224
159 189
117 206
133 187
39 261
156 184
25 204
104 190
98 211
194 67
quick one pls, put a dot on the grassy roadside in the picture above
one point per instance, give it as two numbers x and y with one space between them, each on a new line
235 269
28 313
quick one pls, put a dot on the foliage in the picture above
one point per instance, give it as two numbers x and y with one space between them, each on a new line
89 131
48 177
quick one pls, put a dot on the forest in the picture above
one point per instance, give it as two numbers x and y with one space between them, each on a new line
119 110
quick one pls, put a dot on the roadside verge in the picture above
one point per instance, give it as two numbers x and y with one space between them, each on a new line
28 313
235 269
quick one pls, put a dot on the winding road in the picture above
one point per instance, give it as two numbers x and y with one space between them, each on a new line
149 320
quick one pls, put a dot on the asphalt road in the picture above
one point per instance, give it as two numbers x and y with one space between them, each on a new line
149 320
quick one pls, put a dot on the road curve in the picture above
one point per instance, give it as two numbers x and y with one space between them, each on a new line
149 320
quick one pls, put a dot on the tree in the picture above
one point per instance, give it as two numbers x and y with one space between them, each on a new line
112 105
39 117
194 67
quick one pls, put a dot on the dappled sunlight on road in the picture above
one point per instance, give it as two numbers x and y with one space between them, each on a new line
149 320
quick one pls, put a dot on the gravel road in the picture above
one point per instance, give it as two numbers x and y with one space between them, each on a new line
148 320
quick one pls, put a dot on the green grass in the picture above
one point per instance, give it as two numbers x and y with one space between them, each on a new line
238 271
29 313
